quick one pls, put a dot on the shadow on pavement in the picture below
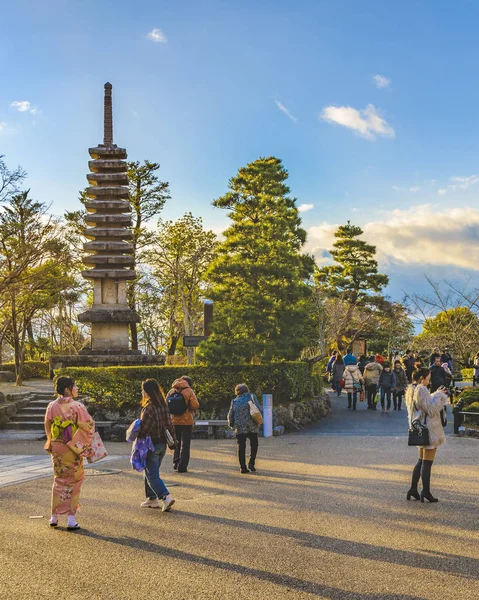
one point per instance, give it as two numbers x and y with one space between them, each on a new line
292 583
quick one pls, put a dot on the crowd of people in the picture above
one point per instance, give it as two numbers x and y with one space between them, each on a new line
424 390
384 382
165 421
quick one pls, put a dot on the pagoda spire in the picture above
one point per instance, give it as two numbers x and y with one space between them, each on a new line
108 117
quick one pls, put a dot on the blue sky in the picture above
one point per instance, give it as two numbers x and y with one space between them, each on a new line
372 106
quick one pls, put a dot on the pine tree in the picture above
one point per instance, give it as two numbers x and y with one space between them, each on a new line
259 276
353 279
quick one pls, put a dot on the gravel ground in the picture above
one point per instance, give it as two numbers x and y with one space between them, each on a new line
324 517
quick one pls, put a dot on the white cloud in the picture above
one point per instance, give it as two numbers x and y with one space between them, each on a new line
420 236
414 188
463 183
381 82
24 106
366 122
3 126
156 35
305 207
285 110
459 184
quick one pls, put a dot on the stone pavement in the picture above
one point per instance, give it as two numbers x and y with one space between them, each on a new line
324 517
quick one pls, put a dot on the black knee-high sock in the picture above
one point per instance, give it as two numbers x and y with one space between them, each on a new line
426 476
416 475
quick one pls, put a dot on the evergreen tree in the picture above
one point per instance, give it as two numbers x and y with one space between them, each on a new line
259 276
355 276
353 280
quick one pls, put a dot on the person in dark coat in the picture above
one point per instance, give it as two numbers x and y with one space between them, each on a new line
401 384
363 361
338 372
387 381
408 362
446 358
438 375
436 353
244 426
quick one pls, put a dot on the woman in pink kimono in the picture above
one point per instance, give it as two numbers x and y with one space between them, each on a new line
69 430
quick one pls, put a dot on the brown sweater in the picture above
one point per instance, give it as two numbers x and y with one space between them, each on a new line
188 394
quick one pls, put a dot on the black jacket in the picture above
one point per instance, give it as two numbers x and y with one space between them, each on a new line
438 377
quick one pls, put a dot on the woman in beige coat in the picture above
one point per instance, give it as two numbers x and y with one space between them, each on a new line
427 408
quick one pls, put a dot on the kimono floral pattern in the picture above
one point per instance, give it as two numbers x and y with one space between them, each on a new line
67 456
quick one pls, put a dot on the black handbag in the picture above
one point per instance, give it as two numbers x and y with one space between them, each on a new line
418 434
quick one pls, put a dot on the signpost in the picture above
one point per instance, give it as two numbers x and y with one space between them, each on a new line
192 341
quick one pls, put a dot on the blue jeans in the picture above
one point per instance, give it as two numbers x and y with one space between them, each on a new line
154 485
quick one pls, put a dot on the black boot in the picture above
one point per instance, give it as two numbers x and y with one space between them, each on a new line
426 481
416 475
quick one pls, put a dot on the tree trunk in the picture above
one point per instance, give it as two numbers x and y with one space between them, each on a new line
31 340
173 344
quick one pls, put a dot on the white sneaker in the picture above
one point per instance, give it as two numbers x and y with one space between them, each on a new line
150 503
168 502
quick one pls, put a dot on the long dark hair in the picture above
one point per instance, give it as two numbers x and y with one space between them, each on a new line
420 374
339 359
154 392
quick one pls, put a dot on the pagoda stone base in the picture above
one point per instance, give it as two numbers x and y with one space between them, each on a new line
105 360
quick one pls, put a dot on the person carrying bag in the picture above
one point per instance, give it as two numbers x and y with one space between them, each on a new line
244 418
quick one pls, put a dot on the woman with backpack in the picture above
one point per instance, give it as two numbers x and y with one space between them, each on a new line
182 404
240 419
155 421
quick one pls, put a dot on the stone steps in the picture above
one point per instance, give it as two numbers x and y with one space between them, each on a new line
31 416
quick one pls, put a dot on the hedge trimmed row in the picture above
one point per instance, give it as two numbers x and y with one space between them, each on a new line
470 395
119 388
32 369
467 374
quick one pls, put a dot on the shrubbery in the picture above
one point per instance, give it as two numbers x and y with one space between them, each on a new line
467 374
473 407
119 388
32 369
470 396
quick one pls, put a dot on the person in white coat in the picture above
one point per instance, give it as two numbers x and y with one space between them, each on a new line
426 407
353 384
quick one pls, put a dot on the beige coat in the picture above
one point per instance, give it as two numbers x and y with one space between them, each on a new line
371 374
420 402
351 374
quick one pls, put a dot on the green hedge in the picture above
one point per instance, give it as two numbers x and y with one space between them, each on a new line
119 388
32 369
473 419
467 374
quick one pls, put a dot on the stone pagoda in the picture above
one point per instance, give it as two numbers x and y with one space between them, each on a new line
110 262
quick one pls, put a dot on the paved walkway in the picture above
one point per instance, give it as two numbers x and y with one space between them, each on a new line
18 468
324 517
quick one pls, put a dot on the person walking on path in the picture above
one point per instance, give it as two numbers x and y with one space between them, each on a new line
67 425
182 394
436 353
387 381
338 371
244 426
438 375
476 367
329 368
155 422
408 362
363 361
350 359
353 384
447 358
372 371
401 385
426 407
